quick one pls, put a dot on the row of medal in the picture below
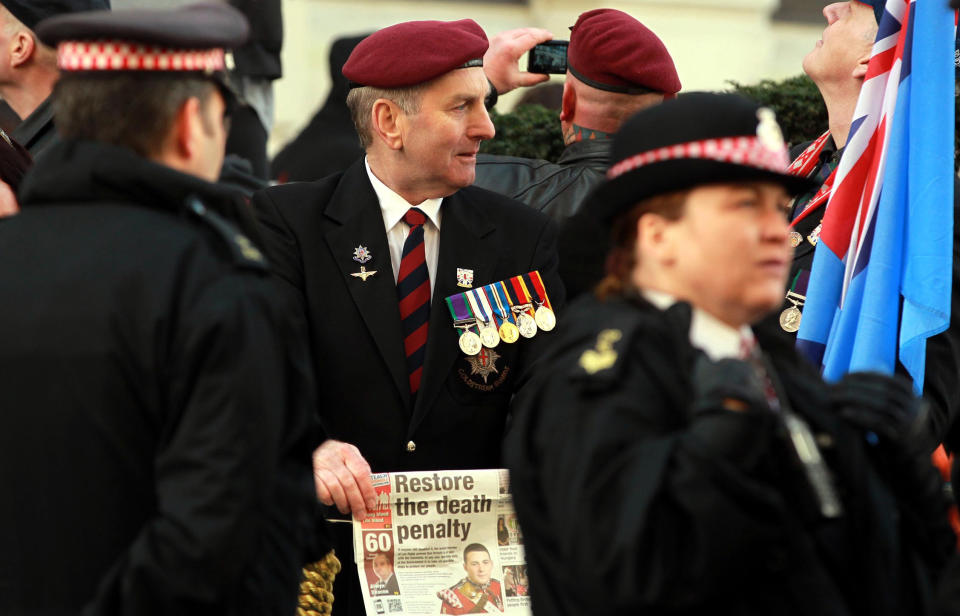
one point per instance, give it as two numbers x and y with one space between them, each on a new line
504 310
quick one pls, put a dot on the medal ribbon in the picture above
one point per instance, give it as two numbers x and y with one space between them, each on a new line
477 306
459 309
539 289
800 283
490 296
503 300
520 291
484 304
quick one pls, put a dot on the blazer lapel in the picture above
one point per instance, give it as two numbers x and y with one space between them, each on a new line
358 221
465 242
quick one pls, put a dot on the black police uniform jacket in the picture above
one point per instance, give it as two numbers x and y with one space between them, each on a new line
156 426
630 503
941 385
311 230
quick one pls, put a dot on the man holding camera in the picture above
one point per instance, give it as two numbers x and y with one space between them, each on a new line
616 66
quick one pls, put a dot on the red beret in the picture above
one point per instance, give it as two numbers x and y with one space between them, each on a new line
612 51
414 52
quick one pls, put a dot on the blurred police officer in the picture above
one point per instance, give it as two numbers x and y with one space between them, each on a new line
372 253
616 66
28 67
669 458
838 64
155 437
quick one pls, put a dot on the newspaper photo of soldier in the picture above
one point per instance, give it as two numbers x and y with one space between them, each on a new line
478 592
441 542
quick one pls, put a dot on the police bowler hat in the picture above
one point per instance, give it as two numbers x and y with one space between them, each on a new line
698 138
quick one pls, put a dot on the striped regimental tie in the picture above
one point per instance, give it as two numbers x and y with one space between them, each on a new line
413 292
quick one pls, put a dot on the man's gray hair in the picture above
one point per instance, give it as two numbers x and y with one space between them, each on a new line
361 100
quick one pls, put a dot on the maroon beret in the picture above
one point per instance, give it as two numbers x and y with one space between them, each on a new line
612 51
414 52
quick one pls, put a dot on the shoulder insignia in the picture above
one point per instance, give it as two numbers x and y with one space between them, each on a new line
244 252
450 598
603 356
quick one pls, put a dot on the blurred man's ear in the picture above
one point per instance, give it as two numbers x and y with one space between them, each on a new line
22 48
187 124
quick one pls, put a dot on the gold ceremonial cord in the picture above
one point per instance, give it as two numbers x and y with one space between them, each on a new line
316 589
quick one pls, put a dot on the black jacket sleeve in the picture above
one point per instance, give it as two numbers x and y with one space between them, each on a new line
233 480
658 513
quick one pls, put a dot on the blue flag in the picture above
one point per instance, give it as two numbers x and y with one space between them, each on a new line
882 272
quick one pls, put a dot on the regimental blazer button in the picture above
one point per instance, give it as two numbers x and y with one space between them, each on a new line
411 446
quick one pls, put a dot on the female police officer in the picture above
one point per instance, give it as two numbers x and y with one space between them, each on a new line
668 458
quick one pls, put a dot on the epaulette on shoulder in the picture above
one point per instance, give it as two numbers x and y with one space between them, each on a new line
602 358
243 252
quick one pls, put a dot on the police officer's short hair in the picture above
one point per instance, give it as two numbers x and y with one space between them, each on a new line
131 110
361 100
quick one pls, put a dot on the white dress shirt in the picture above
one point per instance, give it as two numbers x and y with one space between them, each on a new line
707 333
393 207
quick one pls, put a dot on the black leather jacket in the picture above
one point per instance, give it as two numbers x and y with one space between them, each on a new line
556 189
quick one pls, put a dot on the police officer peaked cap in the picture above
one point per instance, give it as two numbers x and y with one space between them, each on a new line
32 12
192 38
415 52
698 138
612 51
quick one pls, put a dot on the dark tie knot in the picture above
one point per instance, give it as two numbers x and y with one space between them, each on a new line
414 217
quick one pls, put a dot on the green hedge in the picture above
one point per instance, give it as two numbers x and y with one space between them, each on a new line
800 110
529 131
532 131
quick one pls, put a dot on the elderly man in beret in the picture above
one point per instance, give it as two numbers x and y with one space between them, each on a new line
370 255
838 65
616 67
28 67
157 426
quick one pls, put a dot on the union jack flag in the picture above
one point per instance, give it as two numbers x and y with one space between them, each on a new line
881 278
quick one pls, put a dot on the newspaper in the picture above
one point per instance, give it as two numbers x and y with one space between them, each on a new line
444 542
